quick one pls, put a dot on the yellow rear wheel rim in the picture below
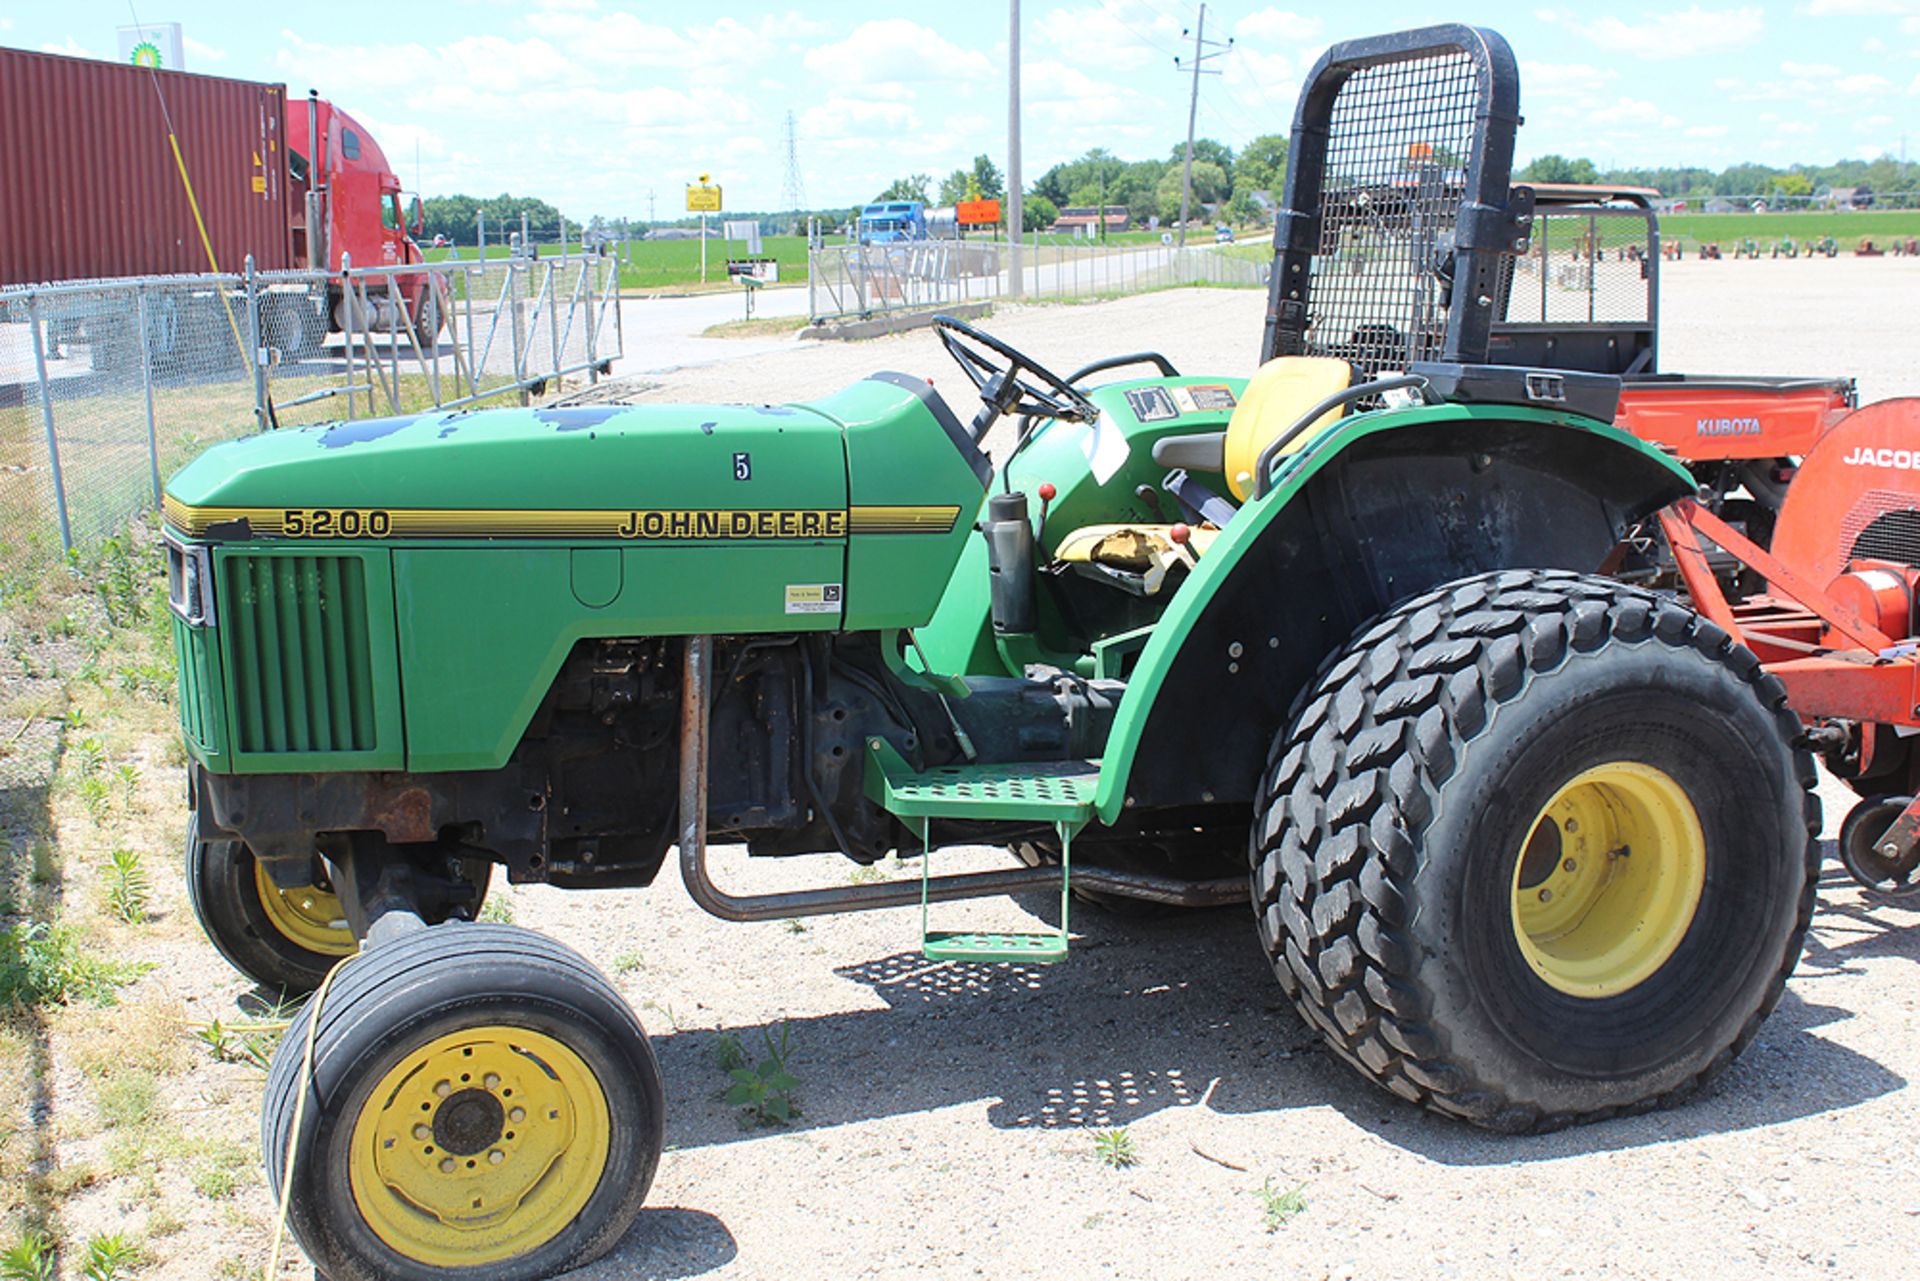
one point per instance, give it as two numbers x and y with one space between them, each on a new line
479 1146
305 915
1608 880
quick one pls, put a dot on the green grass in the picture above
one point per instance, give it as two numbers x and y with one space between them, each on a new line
1845 227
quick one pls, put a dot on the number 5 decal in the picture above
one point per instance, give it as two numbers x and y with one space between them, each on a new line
743 467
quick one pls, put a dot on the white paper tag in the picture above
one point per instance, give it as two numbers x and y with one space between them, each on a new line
1106 448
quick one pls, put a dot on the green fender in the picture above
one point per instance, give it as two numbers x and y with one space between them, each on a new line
1429 444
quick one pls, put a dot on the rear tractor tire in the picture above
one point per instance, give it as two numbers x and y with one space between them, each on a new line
1538 849
482 1104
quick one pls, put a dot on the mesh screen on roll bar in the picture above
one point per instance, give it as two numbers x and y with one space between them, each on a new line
1589 267
1399 148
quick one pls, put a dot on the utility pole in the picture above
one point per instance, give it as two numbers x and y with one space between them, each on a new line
1201 53
1015 221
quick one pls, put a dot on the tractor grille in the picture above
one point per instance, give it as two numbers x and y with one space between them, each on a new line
298 640
1398 152
193 653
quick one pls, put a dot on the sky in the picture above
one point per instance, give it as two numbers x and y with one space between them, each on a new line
609 108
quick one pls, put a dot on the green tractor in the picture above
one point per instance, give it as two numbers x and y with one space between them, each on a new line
1526 845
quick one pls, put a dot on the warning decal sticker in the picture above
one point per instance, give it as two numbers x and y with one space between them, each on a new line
1152 404
1204 398
813 598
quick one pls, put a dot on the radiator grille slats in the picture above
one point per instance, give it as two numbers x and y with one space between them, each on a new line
302 678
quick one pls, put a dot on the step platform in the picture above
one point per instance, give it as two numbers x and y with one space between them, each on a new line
1057 792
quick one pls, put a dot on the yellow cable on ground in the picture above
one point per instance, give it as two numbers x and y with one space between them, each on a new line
206 242
299 1115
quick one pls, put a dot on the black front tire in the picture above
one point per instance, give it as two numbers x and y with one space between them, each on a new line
224 890
1397 821
551 1022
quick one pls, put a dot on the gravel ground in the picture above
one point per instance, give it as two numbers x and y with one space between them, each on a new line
949 1110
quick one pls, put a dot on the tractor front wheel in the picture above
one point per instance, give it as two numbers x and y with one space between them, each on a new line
1537 849
479 1103
280 938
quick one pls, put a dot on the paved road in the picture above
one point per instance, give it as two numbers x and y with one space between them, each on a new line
659 334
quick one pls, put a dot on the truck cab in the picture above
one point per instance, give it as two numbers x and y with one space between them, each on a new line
363 212
891 221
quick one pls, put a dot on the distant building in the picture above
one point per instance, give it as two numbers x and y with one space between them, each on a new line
1089 217
1850 198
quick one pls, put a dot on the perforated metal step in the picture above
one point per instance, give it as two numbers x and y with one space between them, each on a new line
1050 791
988 948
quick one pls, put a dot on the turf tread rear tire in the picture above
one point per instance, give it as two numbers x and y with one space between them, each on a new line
1384 724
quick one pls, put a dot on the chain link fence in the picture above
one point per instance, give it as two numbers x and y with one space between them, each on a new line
107 387
851 281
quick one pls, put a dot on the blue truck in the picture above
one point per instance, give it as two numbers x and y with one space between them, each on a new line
889 221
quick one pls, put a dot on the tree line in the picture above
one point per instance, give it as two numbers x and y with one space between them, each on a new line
1742 180
1222 178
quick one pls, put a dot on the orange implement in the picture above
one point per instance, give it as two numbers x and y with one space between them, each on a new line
1703 418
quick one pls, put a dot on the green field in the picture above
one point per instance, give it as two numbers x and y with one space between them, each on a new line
1845 227
673 264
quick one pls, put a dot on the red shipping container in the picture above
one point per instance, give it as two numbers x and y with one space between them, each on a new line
88 183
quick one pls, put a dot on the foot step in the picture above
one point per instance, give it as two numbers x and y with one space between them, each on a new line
988 948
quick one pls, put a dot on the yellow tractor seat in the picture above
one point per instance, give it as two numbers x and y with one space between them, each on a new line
1278 393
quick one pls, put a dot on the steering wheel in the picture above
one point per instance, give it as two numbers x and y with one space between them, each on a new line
1002 388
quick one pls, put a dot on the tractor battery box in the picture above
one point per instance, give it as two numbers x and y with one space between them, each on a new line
1590 395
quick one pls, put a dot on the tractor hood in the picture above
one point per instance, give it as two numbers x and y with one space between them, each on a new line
499 472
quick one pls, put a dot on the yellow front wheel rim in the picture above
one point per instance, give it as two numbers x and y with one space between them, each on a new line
479 1146
1608 880
305 915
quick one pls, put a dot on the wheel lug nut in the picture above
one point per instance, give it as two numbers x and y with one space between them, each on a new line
1546 896
1572 825
1569 865
443 1089
422 1132
496 1156
491 1081
446 1166
517 1115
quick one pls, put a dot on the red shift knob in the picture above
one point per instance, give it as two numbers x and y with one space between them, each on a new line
1047 491
1180 533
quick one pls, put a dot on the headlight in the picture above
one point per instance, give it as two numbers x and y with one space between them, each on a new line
189 581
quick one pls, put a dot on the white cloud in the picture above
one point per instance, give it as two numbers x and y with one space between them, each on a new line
1705 131
71 47
1864 83
1872 123
1277 26
1627 112
1563 79
1798 128
1668 35
202 52
897 50
1117 36
1873 44
1852 8
1809 70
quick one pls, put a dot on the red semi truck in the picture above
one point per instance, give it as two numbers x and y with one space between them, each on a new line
90 188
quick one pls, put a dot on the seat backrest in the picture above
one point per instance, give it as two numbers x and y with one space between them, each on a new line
1278 393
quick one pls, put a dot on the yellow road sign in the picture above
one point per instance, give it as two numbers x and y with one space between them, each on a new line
702 198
